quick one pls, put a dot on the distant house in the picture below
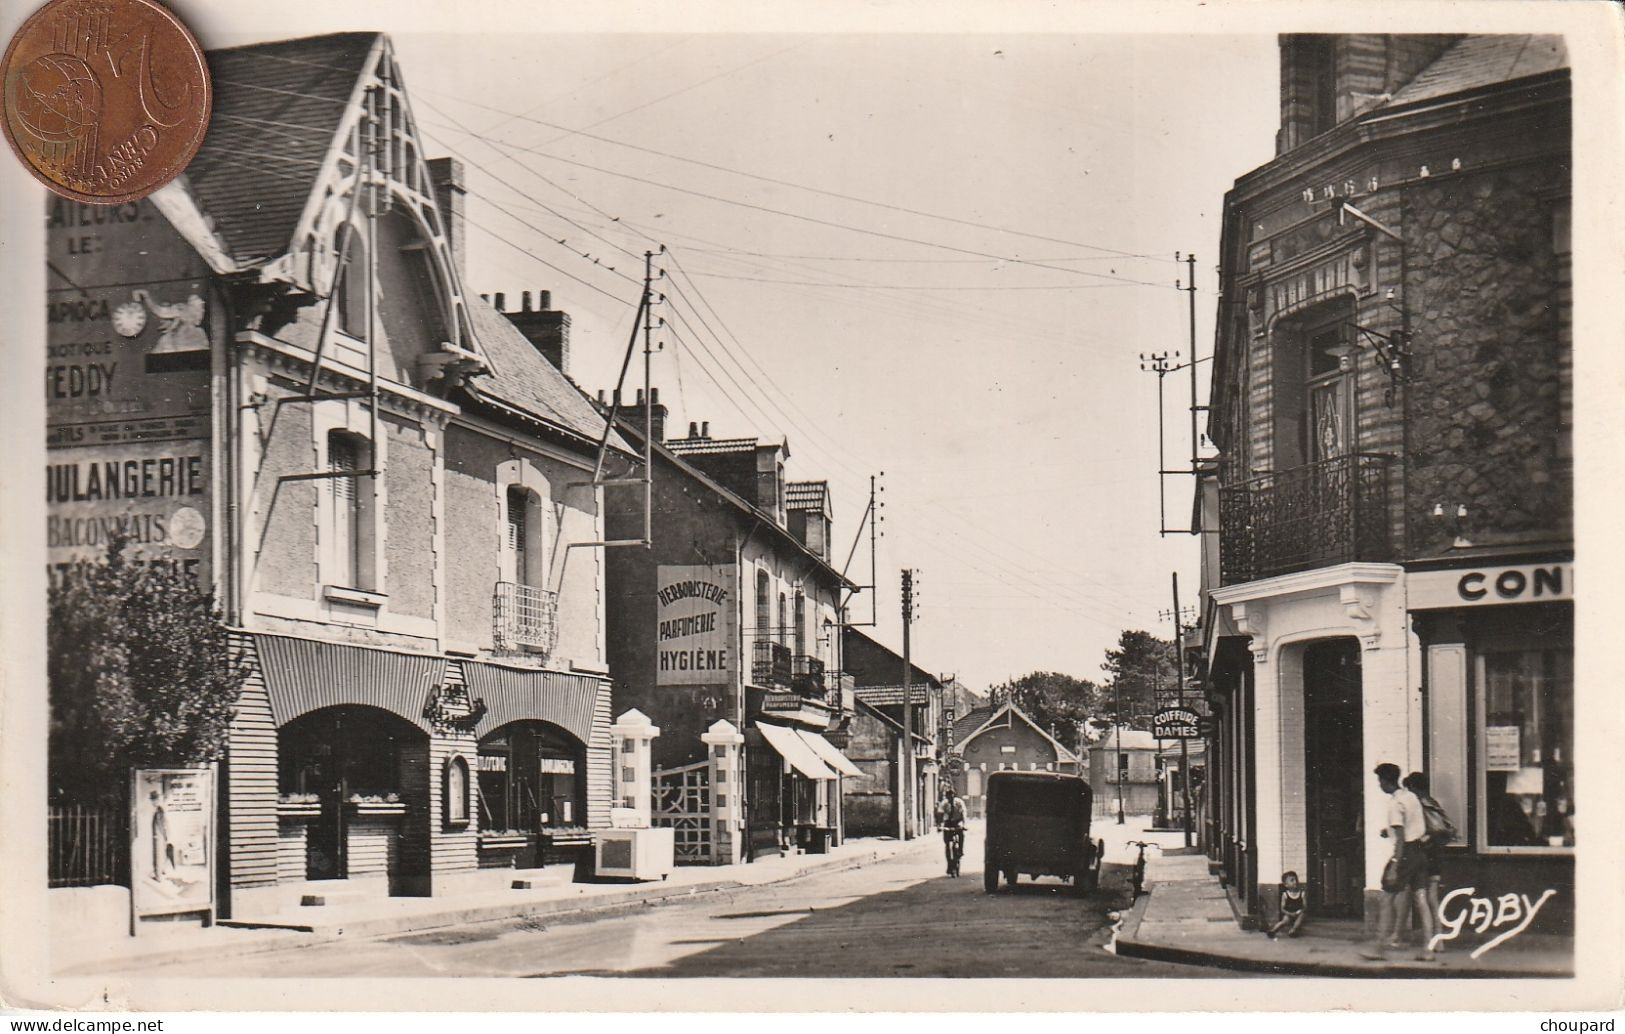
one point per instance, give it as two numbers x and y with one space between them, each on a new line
995 739
1124 760
874 743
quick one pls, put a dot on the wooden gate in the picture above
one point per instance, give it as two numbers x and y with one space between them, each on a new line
682 802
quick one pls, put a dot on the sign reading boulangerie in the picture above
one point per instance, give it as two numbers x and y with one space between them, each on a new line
172 841
694 611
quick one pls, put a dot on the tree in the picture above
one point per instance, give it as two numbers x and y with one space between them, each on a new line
1141 668
1050 698
142 673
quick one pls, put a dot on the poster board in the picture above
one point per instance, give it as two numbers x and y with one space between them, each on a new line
171 842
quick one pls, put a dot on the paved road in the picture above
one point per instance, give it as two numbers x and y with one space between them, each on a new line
897 918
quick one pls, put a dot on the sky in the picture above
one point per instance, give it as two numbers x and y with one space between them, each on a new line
933 255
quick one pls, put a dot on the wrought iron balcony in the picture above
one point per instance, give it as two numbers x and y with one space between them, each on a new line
807 675
1319 515
525 617
770 663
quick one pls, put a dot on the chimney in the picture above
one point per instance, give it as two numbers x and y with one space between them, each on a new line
547 329
633 415
693 429
705 429
501 301
446 174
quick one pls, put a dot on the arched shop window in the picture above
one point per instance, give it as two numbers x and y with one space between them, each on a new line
532 776
456 788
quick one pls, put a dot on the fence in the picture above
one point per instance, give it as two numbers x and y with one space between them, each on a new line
88 845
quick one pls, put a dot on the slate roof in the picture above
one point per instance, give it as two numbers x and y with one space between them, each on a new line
709 446
970 722
276 108
1478 61
524 379
806 495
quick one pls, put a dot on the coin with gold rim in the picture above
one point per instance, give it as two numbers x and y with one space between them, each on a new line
105 100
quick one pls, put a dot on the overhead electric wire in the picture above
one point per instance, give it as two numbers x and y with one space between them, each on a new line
913 287
567 132
828 222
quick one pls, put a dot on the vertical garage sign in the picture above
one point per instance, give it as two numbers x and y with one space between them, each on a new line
694 633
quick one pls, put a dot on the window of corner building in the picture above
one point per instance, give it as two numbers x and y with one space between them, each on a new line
526 549
764 604
801 625
1526 748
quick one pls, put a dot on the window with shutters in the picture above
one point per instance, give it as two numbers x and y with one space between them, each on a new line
349 535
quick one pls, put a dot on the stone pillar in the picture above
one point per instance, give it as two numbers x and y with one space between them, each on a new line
722 742
633 734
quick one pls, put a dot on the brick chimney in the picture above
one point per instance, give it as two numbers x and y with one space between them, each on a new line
446 174
547 329
632 415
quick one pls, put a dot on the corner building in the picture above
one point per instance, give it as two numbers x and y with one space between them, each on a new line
1392 575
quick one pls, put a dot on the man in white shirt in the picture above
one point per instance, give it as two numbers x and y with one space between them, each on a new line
1405 879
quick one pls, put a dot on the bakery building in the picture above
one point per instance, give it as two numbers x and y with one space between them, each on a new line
384 478
1392 574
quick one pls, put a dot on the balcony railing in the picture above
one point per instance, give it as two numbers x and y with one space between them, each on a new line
842 695
807 675
770 663
1332 512
525 617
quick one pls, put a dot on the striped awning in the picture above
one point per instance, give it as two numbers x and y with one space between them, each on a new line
513 694
828 753
303 675
793 750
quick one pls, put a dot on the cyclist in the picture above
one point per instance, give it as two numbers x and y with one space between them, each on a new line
951 818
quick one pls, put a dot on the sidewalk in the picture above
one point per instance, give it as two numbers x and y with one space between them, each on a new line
1186 917
82 955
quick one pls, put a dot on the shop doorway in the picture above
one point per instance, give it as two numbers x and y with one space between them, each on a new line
1334 778
348 761
532 778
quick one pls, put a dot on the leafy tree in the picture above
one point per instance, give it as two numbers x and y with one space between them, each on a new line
142 673
1143 676
1051 698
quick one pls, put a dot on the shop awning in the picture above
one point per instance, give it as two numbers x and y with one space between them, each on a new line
829 754
792 749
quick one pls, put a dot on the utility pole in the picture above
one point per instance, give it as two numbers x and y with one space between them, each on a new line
1184 748
1190 287
907 795
1117 699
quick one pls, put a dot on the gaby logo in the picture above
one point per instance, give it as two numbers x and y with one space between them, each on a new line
1510 914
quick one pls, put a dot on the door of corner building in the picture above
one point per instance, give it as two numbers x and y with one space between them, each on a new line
1334 780
764 797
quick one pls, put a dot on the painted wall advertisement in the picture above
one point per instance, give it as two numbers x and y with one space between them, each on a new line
695 635
172 841
129 321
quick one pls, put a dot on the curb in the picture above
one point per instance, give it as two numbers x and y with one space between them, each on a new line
1128 947
278 938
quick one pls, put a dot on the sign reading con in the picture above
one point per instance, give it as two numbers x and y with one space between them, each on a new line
171 841
1176 723
694 630
1490 586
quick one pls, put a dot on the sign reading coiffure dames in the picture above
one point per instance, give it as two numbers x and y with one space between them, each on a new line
694 634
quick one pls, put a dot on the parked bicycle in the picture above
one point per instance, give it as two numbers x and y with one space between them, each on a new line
1138 876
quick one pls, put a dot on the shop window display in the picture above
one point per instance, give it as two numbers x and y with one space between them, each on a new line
1526 774
531 777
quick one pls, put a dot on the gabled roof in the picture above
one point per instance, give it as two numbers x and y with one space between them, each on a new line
277 107
710 446
1061 752
1478 61
524 379
970 722
893 725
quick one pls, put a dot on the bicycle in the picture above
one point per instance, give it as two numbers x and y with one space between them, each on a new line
1137 878
954 846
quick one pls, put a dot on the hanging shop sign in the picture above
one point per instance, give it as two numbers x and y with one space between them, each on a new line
171 842
694 624
1490 586
1176 723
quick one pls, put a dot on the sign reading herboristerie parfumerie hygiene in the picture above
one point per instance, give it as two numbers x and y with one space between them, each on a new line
694 631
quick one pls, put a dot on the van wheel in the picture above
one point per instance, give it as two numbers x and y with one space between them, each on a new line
1010 877
990 880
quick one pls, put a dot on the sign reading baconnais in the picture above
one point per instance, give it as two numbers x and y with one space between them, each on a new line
694 633
1490 586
